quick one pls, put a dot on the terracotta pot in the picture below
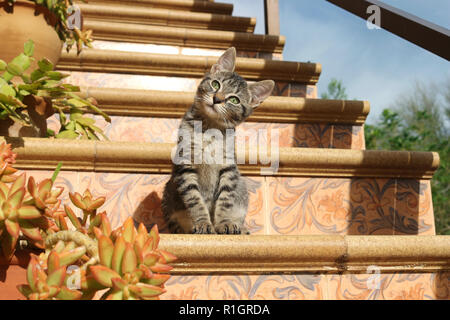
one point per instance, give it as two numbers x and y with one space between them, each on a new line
13 273
38 110
24 21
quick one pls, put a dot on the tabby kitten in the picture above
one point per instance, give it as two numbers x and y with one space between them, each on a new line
211 197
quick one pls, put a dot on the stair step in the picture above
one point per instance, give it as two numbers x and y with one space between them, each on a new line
165 17
261 254
170 104
135 157
315 191
186 37
184 5
94 60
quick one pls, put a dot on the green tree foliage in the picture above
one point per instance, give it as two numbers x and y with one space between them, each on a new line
420 122
336 91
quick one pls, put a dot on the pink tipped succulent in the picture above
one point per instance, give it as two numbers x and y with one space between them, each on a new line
87 203
17 217
7 157
47 279
130 264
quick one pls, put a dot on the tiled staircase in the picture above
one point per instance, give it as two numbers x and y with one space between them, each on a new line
333 208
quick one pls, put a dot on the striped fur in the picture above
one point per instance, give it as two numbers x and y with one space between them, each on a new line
212 197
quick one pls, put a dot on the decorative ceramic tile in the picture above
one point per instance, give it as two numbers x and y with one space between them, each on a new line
136 47
348 137
311 91
373 206
330 206
255 287
414 208
131 81
398 286
310 135
281 89
297 90
255 219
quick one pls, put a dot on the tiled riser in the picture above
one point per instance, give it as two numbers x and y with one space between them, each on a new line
284 206
145 82
189 51
396 286
305 135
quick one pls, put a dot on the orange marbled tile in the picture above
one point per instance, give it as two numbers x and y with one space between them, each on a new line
394 286
244 287
414 208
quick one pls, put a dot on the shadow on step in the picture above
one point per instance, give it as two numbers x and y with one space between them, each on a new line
441 284
149 213
389 207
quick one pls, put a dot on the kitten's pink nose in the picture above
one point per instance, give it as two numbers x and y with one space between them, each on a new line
219 98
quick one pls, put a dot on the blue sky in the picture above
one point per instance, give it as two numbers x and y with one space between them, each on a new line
374 65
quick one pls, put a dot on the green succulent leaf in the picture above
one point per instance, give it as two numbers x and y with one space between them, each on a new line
105 251
30 231
56 278
67 134
28 48
119 250
6 89
45 65
129 260
67 294
69 257
29 212
2 65
104 275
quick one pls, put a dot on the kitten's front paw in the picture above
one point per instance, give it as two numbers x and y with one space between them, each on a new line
203 228
231 228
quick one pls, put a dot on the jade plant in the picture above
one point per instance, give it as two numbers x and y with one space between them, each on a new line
79 256
69 33
44 89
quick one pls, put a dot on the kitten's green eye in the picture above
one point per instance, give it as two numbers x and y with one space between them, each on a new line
215 84
234 100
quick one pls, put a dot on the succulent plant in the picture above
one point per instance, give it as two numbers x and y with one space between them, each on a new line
47 282
126 261
69 33
7 158
130 263
44 89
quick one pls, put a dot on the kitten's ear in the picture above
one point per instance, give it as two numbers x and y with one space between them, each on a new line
260 91
226 61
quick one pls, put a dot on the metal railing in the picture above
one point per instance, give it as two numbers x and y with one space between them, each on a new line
422 33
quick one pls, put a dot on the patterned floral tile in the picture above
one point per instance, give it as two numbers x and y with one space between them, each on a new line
297 90
414 208
255 287
348 137
311 91
255 219
312 135
397 286
373 206
131 81
331 206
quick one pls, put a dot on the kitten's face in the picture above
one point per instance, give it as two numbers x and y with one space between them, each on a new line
224 99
